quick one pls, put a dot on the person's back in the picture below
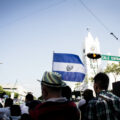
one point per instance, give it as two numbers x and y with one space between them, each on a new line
106 106
82 105
6 109
15 112
55 107
57 111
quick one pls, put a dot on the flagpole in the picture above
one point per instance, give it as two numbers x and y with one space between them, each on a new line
52 61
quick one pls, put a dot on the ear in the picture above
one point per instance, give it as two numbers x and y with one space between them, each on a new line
44 92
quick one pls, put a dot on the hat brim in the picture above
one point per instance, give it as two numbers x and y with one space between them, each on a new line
63 84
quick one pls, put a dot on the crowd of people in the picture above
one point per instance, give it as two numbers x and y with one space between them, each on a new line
58 105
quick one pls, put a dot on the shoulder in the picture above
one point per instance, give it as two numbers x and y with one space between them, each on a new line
57 108
96 103
81 102
93 101
5 109
54 104
108 96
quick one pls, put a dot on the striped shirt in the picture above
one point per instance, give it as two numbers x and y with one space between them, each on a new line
106 106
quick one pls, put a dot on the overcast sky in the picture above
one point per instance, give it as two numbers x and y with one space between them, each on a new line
30 30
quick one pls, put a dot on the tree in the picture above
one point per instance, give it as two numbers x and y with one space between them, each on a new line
1 89
4 92
8 93
114 69
16 95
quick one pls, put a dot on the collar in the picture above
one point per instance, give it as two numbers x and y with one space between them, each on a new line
102 92
61 99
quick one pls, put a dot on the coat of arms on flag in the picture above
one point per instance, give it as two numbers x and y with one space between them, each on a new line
69 66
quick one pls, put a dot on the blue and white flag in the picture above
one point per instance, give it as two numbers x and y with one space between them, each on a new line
69 66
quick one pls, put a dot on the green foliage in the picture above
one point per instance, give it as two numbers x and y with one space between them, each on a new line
40 98
1 89
35 98
16 95
91 79
8 93
77 85
114 69
88 79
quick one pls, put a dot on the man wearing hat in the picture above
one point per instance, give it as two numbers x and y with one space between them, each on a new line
55 107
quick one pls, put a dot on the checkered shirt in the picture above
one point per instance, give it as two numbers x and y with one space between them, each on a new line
105 107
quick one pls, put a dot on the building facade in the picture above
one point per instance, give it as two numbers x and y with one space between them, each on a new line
91 45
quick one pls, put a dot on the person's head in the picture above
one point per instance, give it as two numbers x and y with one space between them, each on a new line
116 88
67 92
29 97
8 102
33 104
51 85
15 110
88 94
101 82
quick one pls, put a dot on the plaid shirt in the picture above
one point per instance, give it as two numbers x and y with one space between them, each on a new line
106 106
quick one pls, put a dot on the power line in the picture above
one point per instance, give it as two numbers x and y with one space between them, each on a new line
98 19
34 12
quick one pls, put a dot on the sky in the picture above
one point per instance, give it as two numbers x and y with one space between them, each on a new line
31 30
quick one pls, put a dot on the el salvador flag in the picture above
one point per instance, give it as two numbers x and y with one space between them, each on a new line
69 66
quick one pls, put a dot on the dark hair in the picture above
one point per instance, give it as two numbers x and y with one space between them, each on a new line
67 92
88 94
8 102
15 110
102 80
29 97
